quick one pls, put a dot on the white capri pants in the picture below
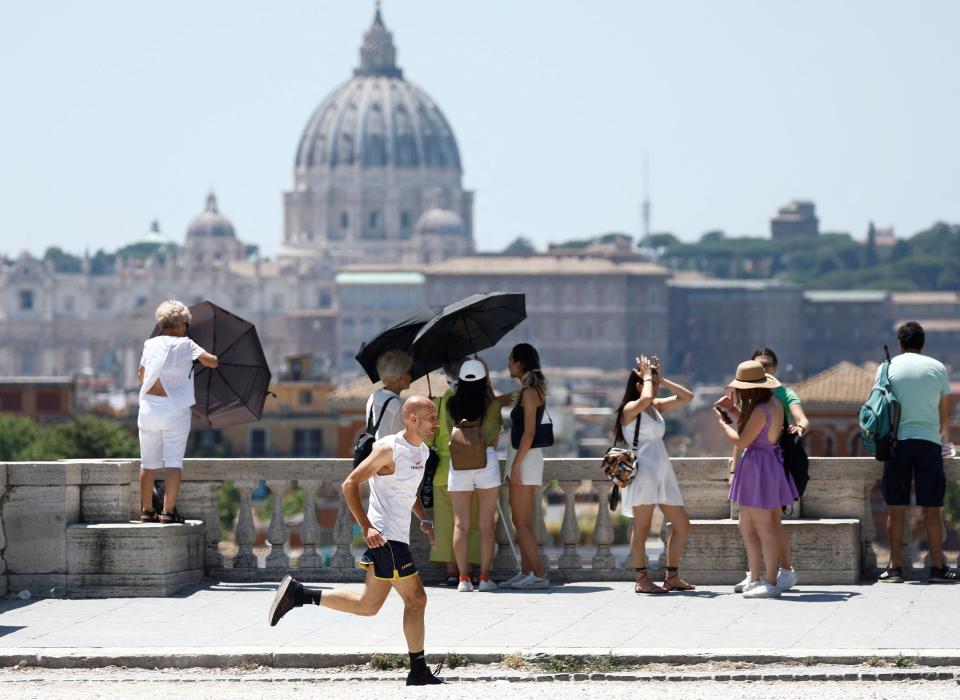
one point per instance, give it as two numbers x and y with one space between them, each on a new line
163 433
472 479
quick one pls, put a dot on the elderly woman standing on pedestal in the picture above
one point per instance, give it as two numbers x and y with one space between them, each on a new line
166 395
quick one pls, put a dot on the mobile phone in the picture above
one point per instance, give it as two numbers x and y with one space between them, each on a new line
723 415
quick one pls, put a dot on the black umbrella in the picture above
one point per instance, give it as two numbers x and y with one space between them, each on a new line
469 326
234 392
399 336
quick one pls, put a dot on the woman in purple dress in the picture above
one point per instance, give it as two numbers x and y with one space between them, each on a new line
760 486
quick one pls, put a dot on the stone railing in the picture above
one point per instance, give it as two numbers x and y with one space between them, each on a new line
37 501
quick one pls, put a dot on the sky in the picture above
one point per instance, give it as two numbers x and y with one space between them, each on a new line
115 113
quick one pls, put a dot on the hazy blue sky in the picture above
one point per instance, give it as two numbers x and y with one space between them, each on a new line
114 112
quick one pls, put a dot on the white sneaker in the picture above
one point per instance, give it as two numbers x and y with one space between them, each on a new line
742 586
532 582
465 586
786 579
512 582
761 589
487 586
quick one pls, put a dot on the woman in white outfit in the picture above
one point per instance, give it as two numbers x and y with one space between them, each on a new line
640 415
474 401
166 395
525 462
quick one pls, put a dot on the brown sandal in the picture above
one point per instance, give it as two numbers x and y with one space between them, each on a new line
673 582
648 587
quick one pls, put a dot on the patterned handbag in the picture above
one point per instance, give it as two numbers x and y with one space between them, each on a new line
620 466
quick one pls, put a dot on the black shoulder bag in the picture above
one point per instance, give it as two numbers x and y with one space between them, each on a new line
364 445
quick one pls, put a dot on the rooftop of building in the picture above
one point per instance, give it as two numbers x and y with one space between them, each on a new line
392 277
845 383
925 297
710 283
935 325
846 296
541 265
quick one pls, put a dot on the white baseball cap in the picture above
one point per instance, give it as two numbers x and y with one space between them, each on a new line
472 370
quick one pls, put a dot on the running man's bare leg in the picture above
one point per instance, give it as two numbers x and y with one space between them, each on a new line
410 588
366 603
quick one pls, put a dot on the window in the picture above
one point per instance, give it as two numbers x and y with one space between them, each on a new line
404 219
258 442
11 400
374 220
344 220
307 442
278 302
305 398
26 300
68 304
49 402
323 299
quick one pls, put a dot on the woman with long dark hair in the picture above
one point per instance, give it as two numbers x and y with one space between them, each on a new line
760 486
640 415
525 463
474 402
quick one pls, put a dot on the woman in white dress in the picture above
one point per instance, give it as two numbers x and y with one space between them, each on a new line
655 483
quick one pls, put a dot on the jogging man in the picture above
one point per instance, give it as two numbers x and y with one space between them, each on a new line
394 470
921 386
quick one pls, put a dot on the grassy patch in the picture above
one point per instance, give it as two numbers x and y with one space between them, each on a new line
901 661
514 660
809 661
874 661
387 662
563 664
455 660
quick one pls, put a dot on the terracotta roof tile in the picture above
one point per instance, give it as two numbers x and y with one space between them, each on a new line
843 383
540 264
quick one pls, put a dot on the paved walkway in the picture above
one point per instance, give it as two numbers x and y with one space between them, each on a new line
216 620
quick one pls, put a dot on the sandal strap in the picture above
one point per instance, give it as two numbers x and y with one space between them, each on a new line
671 568
638 569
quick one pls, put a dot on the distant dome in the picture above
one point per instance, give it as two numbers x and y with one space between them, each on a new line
210 223
377 118
440 222
155 236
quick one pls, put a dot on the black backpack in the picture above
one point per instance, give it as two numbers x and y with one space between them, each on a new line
795 460
364 445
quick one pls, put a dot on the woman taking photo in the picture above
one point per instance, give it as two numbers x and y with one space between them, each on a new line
525 462
166 395
474 402
640 425
760 486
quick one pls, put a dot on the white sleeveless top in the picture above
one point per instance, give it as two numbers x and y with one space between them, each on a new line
392 496
170 359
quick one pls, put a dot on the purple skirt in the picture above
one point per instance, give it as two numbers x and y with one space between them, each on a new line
760 480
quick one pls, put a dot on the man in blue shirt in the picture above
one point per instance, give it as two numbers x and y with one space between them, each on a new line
921 386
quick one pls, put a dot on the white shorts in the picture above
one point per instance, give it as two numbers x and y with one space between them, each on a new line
473 479
531 469
163 433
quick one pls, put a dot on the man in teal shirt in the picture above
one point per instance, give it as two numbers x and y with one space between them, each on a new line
921 386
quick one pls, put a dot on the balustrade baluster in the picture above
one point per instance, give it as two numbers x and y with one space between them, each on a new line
246 533
540 526
309 531
342 533
570 530
277 530
603 529
504 561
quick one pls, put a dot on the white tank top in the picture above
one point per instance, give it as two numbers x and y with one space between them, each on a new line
392 496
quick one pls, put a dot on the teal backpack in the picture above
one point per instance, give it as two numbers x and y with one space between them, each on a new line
880 416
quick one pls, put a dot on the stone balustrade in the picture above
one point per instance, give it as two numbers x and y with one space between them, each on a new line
39 501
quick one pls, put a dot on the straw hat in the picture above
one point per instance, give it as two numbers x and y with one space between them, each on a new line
750 375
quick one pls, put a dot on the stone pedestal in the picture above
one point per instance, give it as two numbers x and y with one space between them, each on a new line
825 552
42 499
105 491
108 560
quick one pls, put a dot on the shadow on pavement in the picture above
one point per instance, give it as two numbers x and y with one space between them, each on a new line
571 588
819 596
10 630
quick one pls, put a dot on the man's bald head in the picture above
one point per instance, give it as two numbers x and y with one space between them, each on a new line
420 416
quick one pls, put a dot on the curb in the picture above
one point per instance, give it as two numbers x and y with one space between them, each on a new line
321 658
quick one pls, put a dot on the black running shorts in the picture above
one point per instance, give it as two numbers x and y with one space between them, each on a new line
390 562
919 463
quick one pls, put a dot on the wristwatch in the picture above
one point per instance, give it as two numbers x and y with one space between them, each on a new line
427 522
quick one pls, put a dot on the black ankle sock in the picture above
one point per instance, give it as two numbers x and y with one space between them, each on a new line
311 595
418 664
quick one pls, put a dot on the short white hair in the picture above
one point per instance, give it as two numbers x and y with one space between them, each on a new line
393 364
172 313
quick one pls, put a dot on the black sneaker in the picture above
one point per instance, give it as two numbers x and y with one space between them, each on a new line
892 576
426 676
943 575
289 595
